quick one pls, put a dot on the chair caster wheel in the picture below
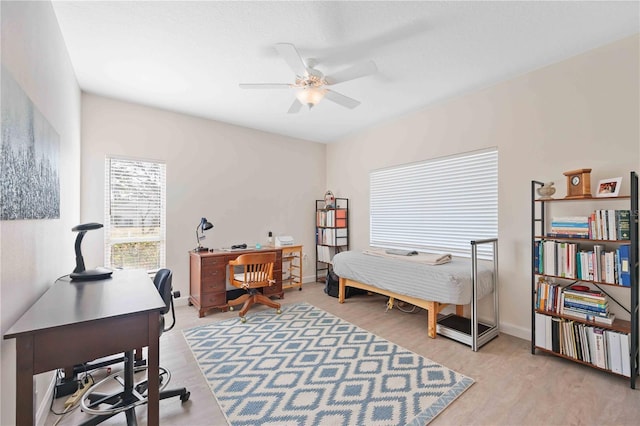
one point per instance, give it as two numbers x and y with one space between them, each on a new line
185 396
279 311
231 308
243 319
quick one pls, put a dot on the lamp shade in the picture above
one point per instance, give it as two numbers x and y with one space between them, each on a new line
205 224
310 95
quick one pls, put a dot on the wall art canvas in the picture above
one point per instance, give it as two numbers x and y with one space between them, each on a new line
29 157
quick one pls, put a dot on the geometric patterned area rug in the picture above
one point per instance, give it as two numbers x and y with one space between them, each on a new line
308 367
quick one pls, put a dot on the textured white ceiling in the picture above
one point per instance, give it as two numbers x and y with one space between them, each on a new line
190 56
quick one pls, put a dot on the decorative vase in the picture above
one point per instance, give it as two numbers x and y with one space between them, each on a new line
546 191
329 199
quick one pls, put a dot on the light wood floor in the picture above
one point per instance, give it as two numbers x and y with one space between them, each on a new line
512 387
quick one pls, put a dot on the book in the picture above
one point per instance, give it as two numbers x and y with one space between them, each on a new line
608 320
600 350
555 334
625 354
613 351
541 330
623 220
625 268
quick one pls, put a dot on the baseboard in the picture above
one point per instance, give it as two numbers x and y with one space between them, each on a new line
515 331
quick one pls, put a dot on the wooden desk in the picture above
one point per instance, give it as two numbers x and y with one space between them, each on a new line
74 322
208 277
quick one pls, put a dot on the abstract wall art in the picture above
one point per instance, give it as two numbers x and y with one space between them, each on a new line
29 158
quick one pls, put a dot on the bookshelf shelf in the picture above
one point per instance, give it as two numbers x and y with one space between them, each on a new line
563 265
332 233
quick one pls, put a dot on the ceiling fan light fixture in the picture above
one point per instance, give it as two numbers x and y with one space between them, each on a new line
310 95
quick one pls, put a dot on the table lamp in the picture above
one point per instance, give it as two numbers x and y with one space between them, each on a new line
80 273
204 225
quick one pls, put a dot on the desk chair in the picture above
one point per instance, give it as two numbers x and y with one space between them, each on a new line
257 273
106 405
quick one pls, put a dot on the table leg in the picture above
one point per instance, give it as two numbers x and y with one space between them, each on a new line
24 380
153 372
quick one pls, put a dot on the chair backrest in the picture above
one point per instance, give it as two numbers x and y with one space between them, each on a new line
257 269
162 282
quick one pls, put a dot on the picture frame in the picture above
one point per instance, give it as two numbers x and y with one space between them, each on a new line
609 187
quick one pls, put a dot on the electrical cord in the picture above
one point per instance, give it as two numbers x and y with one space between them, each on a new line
62 276
71 406
402 307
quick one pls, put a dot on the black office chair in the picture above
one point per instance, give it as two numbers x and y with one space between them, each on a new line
107 405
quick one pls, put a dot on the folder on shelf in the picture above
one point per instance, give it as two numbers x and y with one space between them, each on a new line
625 270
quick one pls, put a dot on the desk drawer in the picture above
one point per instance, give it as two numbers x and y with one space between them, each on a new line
215 285
213 273
213 261
213 299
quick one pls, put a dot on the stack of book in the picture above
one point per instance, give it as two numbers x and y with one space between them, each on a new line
570 227
585 303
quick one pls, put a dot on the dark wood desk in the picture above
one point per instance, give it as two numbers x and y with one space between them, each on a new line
74 322
208 277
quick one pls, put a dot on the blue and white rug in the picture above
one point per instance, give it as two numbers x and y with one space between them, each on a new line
308 367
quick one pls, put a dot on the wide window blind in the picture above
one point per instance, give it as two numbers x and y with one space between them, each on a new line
135 205
436 206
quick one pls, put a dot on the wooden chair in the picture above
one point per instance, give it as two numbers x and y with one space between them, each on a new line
257 273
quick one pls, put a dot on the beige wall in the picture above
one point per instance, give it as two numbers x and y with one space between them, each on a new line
245 182
579 113
33 253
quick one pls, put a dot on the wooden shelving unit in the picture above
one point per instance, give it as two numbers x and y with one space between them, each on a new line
292 267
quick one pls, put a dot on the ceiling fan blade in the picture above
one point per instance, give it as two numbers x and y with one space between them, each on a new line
291 56
341 99
356 71
295 106
264 85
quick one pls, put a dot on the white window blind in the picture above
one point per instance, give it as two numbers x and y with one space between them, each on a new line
436 206
135 205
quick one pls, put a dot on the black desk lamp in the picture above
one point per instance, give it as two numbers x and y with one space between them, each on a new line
80 273
204 225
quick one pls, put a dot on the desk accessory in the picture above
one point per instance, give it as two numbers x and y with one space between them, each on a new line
204 225
80 273
578 183
284 240
546 191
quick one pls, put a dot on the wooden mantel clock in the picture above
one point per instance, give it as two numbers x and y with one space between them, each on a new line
578 183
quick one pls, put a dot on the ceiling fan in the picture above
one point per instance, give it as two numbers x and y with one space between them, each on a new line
311 84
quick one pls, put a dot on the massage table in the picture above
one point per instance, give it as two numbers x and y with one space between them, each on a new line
416 280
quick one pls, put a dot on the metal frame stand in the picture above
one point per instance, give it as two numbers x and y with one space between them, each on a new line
470 331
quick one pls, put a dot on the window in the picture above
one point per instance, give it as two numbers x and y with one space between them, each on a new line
135 205
436 206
